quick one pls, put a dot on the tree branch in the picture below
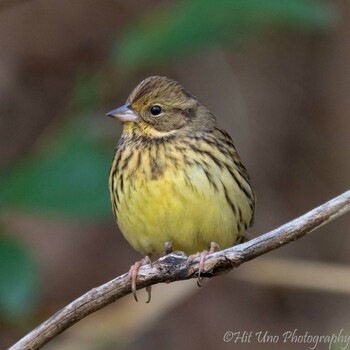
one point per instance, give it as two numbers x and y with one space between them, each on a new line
175 267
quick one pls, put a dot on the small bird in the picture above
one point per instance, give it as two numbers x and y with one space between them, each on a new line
176 177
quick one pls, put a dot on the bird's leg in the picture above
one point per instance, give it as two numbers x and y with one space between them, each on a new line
202 256
133 272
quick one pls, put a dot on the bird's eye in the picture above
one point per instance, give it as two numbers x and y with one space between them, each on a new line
155 110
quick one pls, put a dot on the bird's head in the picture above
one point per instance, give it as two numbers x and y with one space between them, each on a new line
160 106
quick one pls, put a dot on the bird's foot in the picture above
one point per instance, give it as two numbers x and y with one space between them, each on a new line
202 256
133 272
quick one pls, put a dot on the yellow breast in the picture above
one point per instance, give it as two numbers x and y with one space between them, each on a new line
168 192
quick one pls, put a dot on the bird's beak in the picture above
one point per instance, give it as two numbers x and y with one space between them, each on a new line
123 113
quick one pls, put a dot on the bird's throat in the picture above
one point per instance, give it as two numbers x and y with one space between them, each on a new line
142 129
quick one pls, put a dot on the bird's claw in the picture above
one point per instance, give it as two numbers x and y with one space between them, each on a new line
133 272
202 256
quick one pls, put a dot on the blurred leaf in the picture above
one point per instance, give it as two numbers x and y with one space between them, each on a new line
68 176
190 26
18 280
87 94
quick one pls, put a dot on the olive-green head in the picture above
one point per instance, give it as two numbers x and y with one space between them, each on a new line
159 105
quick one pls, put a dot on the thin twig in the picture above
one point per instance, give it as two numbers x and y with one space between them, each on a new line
175 267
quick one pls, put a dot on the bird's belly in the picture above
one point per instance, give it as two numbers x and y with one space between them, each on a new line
184 208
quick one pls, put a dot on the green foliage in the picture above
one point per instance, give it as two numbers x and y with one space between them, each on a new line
190 26
87 94
69 176
18 280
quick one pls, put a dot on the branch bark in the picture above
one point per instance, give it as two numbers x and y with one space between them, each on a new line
175 267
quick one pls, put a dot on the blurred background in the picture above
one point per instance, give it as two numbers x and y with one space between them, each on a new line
277 76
